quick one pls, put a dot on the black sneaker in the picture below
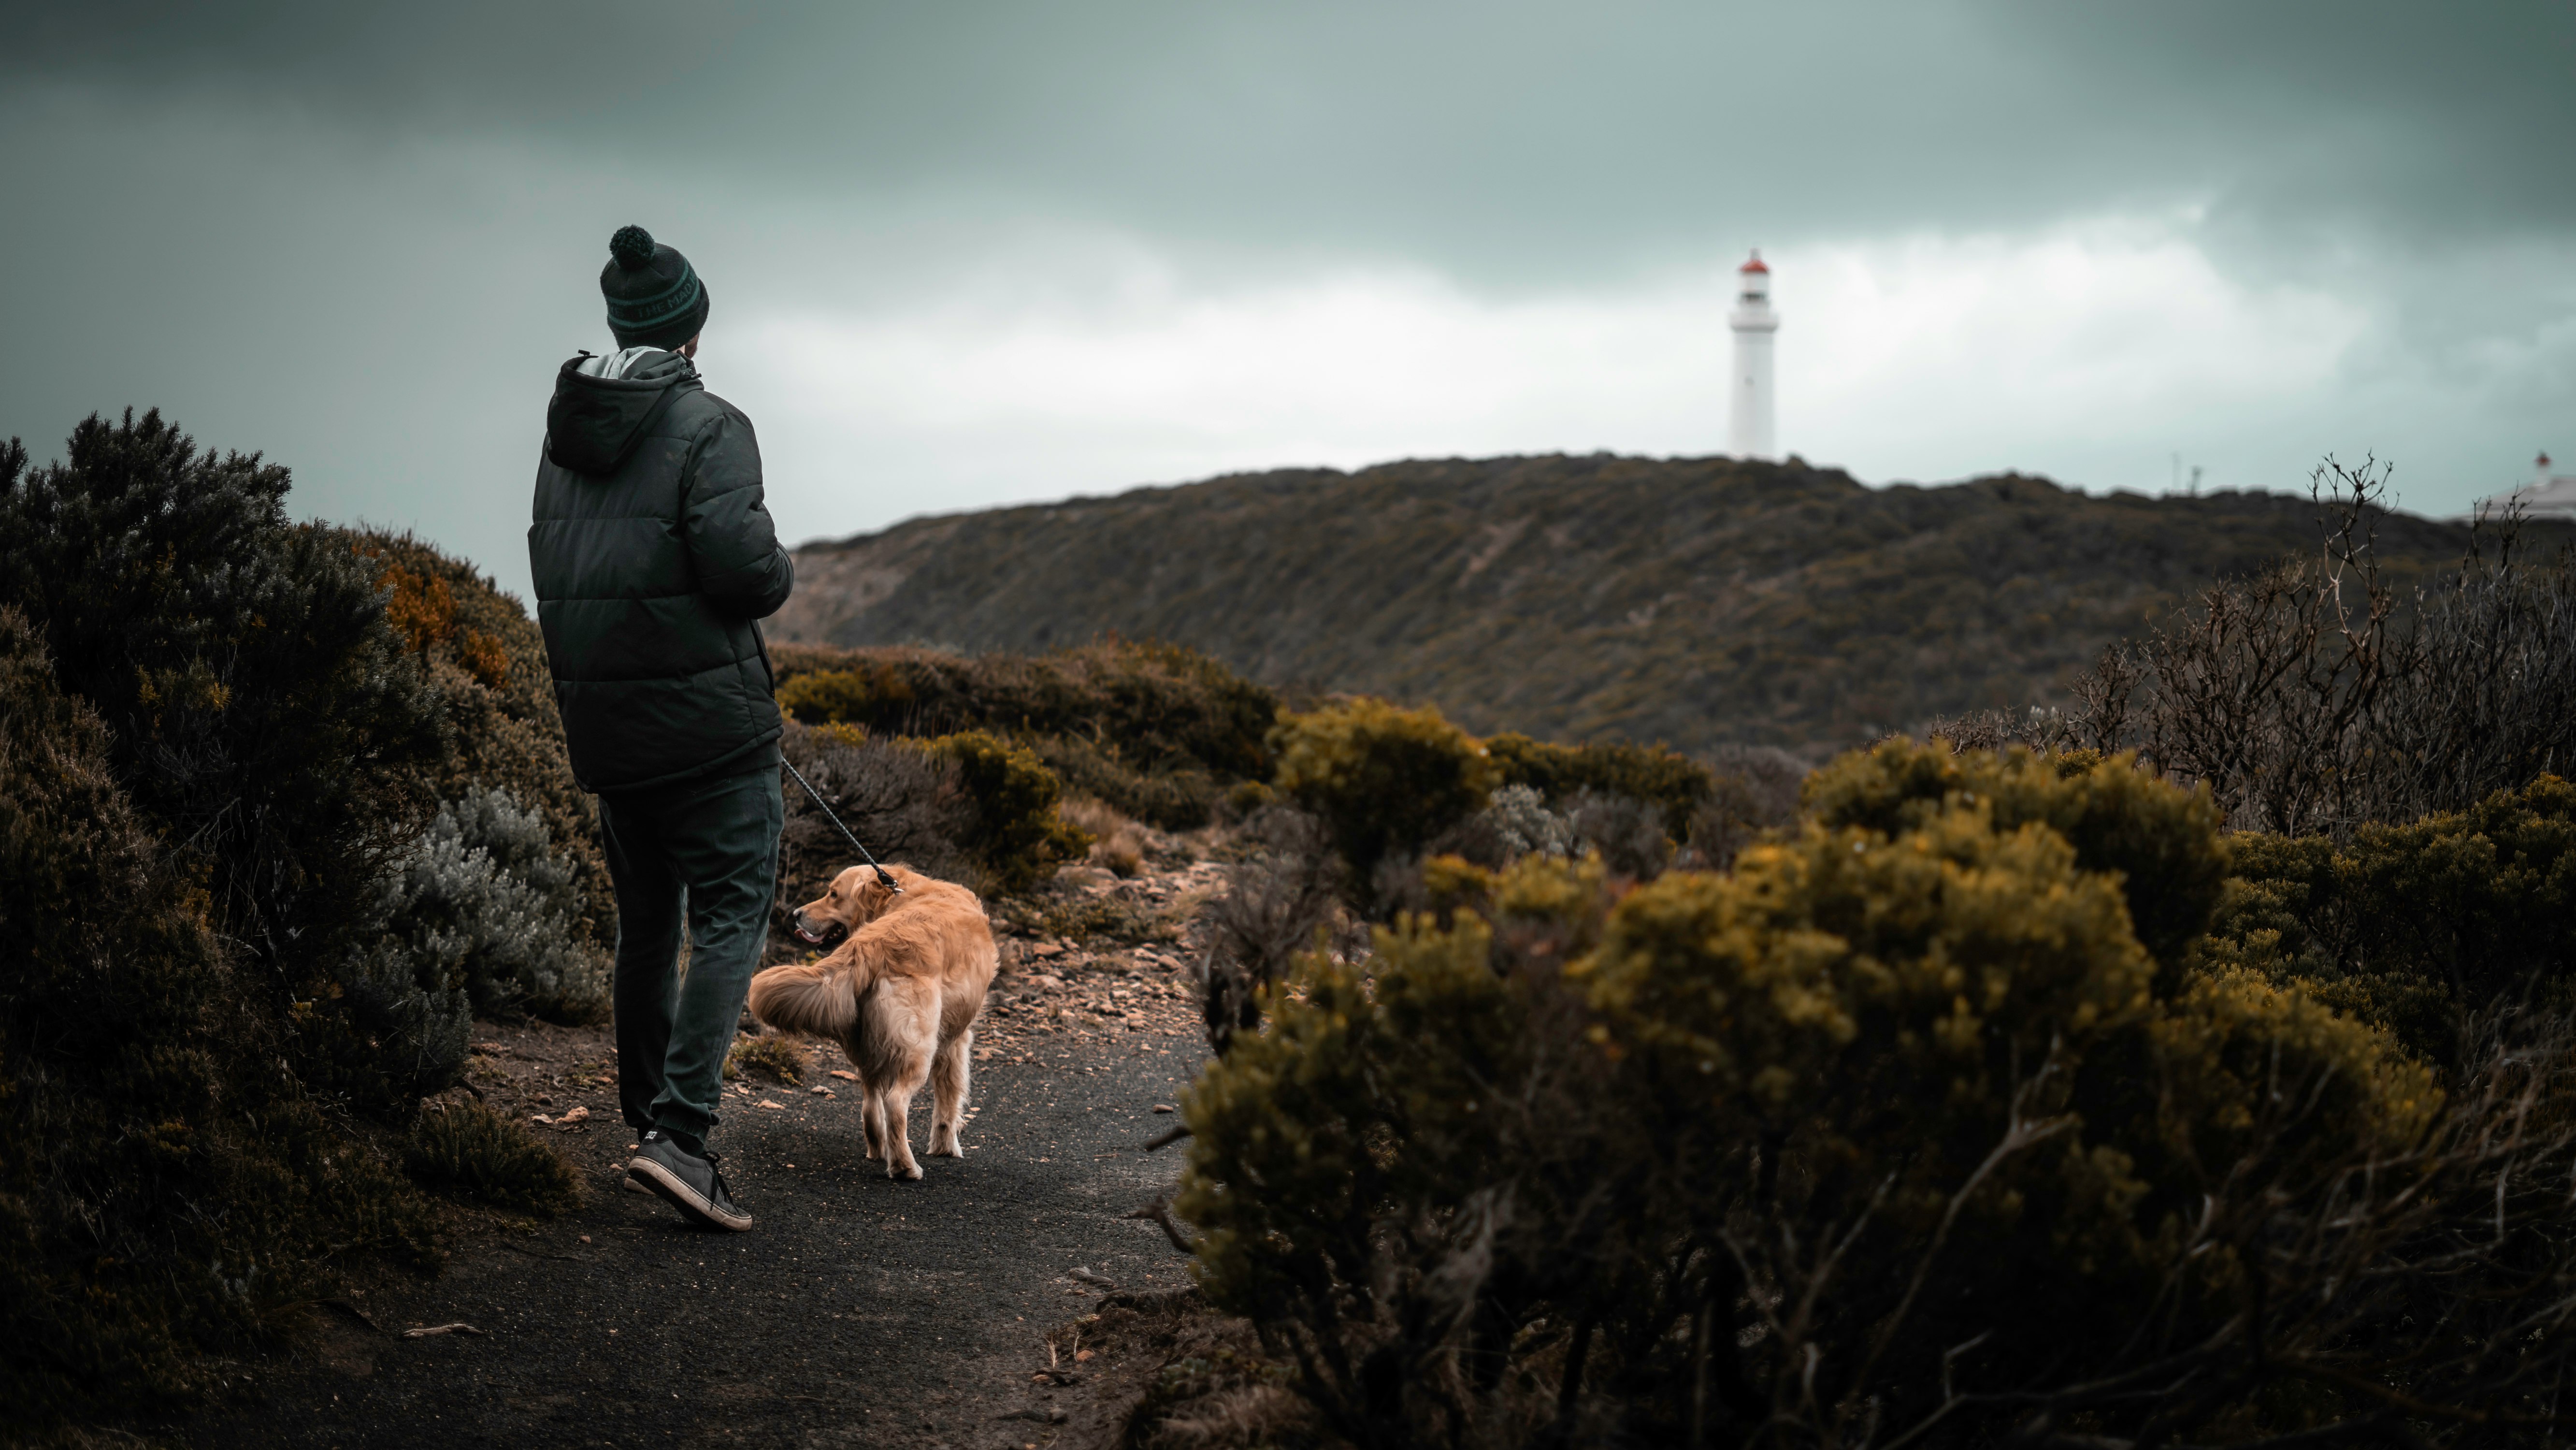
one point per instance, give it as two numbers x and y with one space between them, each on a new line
690 1183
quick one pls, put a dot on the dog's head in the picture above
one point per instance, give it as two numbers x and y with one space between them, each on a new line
857 897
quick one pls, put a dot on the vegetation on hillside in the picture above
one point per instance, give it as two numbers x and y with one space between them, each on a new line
1696 602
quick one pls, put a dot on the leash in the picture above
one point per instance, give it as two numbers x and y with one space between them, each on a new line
883 878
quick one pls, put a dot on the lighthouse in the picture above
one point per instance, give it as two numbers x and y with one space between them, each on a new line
1748 422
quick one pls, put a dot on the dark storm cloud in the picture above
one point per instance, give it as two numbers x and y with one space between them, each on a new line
1509 143
361 236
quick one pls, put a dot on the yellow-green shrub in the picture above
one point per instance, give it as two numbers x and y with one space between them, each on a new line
1384 779
2161 842
2414 927
1016 835
869 693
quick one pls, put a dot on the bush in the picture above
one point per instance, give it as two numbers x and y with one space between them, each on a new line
480 917
779 1059
1176 796
2313 696
1675 785
471 1148
2417 928
2159 842
1157 731
1276 902
967 807
496 693
1515 823
1627 833
1900 1115
1383 780
1754 789
905 803
164 1189
872 694
1015 833
260 710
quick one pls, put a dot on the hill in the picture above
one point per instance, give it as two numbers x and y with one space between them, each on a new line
1691 601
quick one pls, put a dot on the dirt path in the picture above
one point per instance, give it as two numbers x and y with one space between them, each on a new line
860 1311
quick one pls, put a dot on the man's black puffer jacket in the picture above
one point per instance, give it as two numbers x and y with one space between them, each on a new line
653 554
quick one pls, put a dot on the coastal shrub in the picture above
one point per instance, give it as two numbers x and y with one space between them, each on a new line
479 917
1732 818
1277 900
2418 928
470 1148
1156 730
2161 842
281 708
872 693
1627 833
970 807
2313 695
262 713
1014 832
1175 795
1384 780
1902 1110
1513 824
906 804
1674 784
487 660
164 1189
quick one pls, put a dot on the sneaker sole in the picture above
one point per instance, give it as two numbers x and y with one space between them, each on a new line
661 1182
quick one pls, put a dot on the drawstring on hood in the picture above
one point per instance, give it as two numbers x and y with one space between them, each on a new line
603 406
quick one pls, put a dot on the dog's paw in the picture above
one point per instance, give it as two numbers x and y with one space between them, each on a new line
907 1172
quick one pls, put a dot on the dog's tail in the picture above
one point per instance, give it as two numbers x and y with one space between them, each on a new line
820 999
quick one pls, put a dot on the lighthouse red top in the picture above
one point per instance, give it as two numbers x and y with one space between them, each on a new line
1756 264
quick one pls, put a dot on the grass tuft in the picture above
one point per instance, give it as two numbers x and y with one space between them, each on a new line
779 1059
476 1151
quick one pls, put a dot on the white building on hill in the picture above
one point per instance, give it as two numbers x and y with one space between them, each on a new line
1748 419
2547 496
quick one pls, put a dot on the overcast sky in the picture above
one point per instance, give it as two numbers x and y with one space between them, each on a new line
965 253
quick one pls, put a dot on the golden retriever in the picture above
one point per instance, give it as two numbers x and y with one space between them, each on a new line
900 993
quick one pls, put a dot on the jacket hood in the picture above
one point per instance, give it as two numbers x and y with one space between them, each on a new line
592 423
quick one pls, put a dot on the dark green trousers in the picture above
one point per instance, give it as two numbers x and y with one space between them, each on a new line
706 850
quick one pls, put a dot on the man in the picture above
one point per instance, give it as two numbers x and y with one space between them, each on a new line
653 557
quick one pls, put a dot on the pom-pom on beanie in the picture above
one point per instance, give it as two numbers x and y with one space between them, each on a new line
654 296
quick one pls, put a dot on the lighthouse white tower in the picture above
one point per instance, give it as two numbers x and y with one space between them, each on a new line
1748 422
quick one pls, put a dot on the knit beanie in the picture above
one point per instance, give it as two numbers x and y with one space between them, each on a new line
654 296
